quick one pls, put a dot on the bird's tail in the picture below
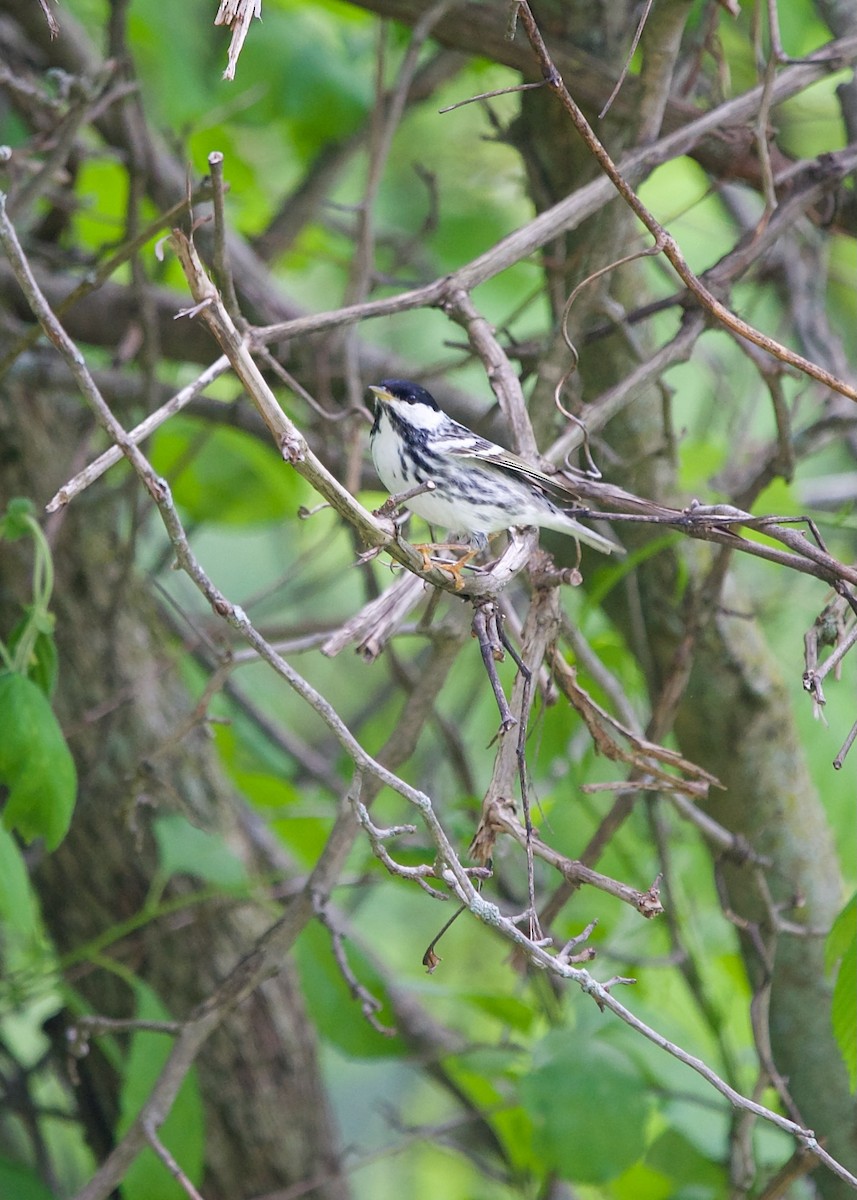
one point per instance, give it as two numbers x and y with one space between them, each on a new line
588 536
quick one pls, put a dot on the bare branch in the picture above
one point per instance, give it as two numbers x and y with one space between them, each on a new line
146 428
237 14
222 269
669 245
570 213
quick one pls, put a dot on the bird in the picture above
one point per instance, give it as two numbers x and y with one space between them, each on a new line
479 488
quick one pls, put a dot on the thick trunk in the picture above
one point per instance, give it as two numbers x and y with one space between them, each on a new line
120 701
734 717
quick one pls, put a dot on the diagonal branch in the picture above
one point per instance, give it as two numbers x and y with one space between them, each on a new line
667 243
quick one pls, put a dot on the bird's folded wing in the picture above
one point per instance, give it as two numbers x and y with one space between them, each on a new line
481 449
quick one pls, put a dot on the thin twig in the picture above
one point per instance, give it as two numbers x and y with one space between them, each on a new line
297 452
222 269
74 359
78 483
94 279
774 31
431 959
763 145
626 66
568 214
169 1162
85 94
670 246
370 1005
519 87
500 818
50 18
846 746
237 15
484 630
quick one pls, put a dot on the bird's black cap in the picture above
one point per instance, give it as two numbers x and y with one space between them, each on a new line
410 393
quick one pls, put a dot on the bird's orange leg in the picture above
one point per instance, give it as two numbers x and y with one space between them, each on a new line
455 569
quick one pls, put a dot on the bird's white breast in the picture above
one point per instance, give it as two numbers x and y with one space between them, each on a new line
387 455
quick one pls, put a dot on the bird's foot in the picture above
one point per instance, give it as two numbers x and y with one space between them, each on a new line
428 553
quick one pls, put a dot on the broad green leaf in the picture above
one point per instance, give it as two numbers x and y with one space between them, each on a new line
779 497
844 1012
257 768
21 1183
185 849
485 1070
673 1156
181 83
842 934
265 790
16 899
101 218
245 751
225 475
308 63
35 763
701 460
183 1132
305 822
841 949
509 1010
643 1182
303 837
588 1105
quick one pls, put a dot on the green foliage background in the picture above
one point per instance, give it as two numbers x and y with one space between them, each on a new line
568 1090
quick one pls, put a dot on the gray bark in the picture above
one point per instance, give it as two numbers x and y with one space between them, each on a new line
120 700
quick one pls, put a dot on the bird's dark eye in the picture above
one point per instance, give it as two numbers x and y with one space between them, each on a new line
409 392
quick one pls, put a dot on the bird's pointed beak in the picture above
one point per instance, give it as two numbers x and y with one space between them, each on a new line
380 392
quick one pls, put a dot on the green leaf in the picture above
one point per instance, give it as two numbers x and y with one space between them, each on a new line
246 751
675 1157
35 763
841 949
843 1012
185 849
183 1132
701 460
225 475
16 898
177 84
588 1105
101 218
336 1014
517 1014
842 933
17 520
643 1182
21 1182
308 61
258 770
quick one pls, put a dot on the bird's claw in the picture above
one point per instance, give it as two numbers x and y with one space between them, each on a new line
451 568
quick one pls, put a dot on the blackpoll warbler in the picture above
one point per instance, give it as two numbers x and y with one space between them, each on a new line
480 488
